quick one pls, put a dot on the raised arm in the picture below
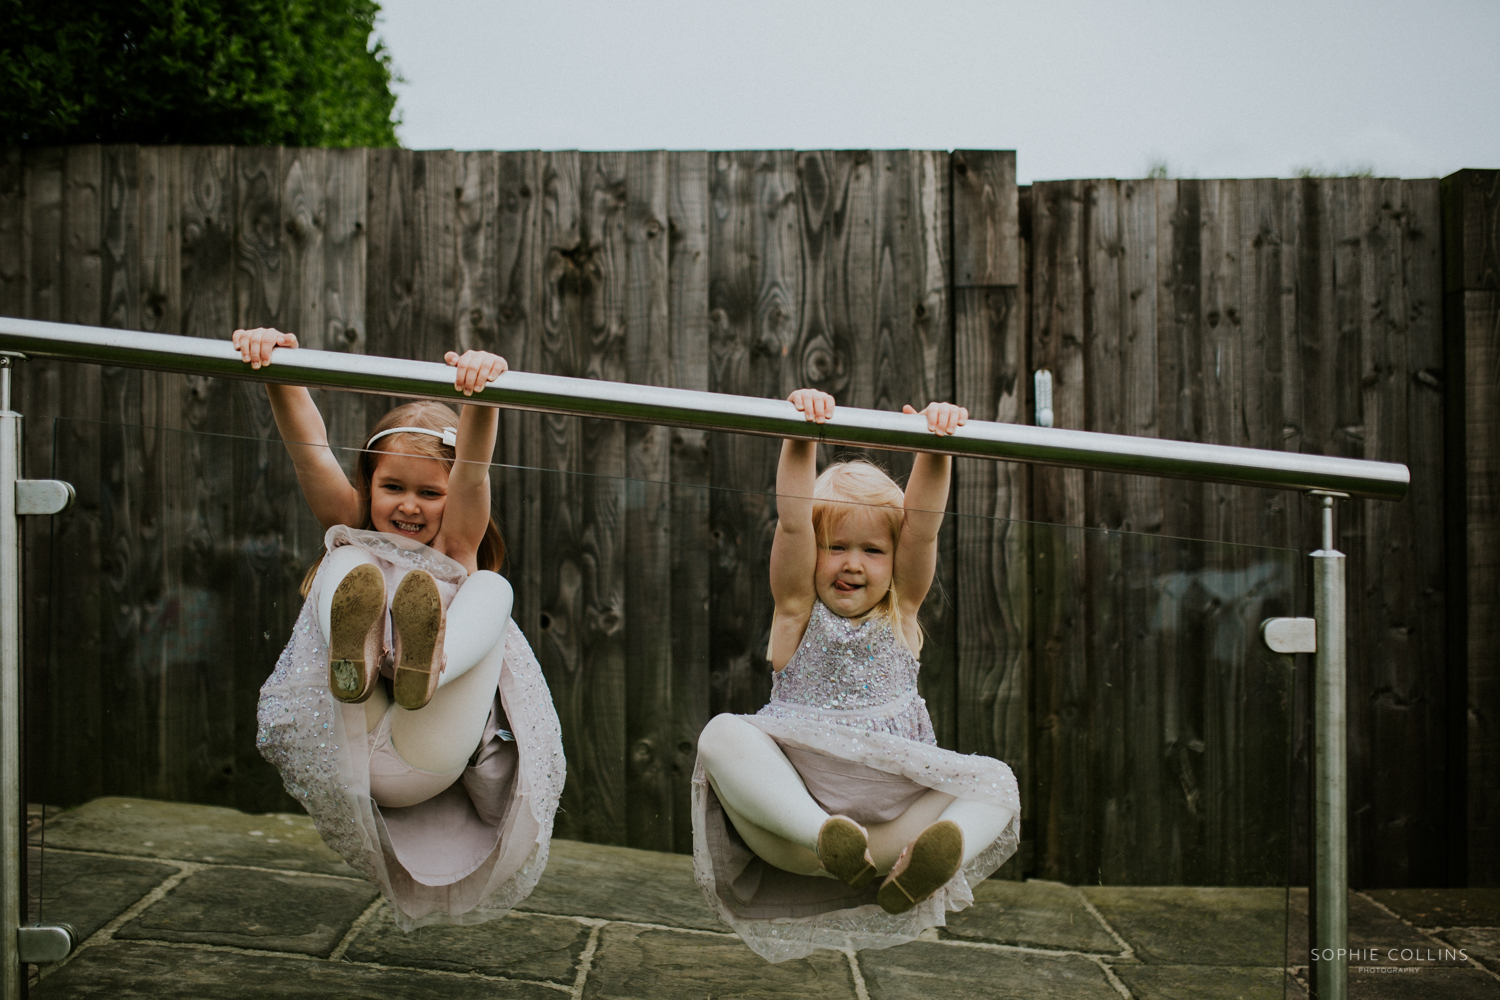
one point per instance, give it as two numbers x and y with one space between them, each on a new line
467 513
794 550
324 486
926 499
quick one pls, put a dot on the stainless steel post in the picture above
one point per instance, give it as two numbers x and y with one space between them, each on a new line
11 806
1330 875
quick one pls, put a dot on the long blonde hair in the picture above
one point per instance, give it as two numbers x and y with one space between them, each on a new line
430 416
858 483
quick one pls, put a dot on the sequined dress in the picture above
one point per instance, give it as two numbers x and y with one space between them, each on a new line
466 855
846 712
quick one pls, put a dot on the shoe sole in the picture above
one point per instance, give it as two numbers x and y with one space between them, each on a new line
358 604
842 850
934 859
417 618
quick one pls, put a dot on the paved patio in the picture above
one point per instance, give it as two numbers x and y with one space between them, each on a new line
179 901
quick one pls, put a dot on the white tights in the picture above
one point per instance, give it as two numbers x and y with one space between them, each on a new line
442 735
769 805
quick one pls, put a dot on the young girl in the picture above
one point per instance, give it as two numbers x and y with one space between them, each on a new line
442 788
799 809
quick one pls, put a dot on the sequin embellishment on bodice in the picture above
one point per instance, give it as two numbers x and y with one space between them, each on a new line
852 673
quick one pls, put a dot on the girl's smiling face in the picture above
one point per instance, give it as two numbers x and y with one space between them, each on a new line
855 563
407 496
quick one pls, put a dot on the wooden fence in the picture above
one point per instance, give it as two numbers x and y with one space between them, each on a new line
1304 315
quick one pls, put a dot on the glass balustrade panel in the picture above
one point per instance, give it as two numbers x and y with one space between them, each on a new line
1121 676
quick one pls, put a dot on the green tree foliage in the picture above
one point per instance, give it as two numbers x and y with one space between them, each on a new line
248 72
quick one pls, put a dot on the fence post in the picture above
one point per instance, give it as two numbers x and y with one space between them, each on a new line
12 808
18 497
1329 905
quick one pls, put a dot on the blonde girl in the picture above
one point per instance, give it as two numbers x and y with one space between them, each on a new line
831 818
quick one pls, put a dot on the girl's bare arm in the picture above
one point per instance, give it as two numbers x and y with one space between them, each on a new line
926 499
325 487
794 549
467 512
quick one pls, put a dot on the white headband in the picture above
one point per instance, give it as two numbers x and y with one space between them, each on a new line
448 434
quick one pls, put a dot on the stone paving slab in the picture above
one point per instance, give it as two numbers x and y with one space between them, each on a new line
227 921
302 914
621 883
517 946
1187 925
1423 984
150 829
123 972
1479 943
1442 907
1037 914
636 963
925 971
1193 982
89 892
1385 939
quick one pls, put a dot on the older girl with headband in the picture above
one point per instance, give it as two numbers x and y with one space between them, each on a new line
407 713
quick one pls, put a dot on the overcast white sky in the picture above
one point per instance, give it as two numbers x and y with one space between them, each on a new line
1080 88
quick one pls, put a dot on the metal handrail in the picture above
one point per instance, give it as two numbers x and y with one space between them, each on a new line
718 411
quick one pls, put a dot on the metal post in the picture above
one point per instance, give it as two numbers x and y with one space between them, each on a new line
1330 874
11 806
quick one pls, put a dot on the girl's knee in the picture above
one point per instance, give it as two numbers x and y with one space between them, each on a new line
491 591
719 738
487 580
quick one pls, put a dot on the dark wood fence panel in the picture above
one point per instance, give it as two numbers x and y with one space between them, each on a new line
1117 673
1273 314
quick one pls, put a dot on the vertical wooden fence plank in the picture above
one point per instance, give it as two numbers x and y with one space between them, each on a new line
992 686
1481 414
742 509
557 448
1065 837
129 516
1146 559
604 460
985 241
436 191
649 714
1179 414
208 551
518 280
930 309
391 257
849 243
168 630
63 215
478 222
341 308
691 539
1422 516
258 509
584 304
12 232
1420 519
1471 321
74 293
1106 621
